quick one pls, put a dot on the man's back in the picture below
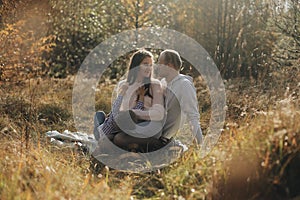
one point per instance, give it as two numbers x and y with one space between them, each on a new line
173 116
180 102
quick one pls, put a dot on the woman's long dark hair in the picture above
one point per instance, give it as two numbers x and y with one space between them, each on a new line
136 61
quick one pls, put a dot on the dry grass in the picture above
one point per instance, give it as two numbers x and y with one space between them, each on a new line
257 156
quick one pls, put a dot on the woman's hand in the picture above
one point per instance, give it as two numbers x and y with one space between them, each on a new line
123 88
157 111
141 93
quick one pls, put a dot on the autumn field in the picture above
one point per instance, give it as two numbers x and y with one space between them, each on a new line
254 44
257 156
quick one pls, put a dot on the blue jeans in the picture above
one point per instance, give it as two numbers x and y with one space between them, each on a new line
99 118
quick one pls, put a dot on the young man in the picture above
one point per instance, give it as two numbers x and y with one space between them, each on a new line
180 97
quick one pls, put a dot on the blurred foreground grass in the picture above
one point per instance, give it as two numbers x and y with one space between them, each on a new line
257 157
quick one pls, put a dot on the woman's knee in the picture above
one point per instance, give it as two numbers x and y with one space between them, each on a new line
99 117
119 139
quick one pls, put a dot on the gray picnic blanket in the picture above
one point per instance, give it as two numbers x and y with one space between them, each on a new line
73 140
88 144
85 141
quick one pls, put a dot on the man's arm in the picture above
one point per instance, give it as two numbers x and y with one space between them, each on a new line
189 105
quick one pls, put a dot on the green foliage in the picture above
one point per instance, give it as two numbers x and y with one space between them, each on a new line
80 26
285 22
233 32
245 38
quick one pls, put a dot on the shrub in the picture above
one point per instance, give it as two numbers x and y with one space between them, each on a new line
22 53
52 114
16 108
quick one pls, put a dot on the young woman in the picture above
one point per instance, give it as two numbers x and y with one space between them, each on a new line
141 96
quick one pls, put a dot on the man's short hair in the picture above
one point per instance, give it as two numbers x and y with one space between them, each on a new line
172 57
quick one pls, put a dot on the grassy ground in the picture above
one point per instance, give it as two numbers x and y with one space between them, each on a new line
257 157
